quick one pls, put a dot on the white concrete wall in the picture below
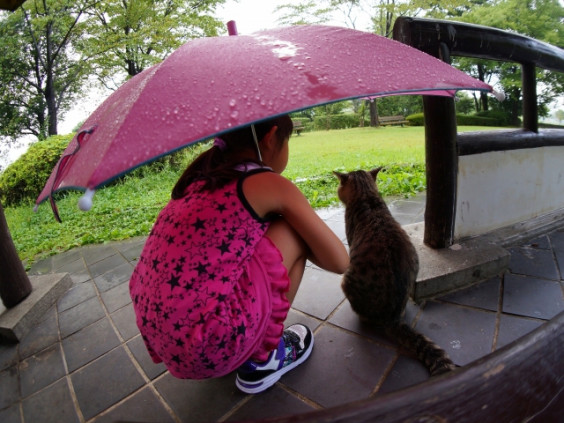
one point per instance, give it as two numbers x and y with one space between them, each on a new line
502 188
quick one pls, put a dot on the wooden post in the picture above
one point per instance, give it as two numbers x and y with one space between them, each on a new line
14 283
530 107
441 157
441 166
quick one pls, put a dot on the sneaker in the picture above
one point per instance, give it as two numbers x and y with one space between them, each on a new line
293 349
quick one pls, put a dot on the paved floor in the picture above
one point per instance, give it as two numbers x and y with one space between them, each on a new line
85 361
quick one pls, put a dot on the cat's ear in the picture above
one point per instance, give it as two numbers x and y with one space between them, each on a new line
341 176
374 172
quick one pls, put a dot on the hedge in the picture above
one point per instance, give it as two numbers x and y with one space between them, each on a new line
24 179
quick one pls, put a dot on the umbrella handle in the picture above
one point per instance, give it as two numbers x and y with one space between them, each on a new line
62 164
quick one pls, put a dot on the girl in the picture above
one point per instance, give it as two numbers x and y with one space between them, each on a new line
224 260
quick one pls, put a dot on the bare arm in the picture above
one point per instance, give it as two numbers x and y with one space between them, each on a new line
272 193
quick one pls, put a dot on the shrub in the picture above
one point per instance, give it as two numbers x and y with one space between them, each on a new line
490 118
501 117
474 120
416 119
25 178
340 121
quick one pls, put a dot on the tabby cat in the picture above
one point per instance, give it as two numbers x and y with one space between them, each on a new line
383 267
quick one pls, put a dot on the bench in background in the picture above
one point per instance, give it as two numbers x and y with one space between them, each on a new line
392 120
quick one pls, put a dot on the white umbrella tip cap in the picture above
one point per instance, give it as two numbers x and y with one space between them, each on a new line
499 95
85 202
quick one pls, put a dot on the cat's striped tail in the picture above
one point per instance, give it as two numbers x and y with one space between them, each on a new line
429 353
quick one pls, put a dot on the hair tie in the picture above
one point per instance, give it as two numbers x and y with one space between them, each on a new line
219 143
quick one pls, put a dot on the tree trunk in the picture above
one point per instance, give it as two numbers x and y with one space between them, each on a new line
51 107
14 283
483 96
373 113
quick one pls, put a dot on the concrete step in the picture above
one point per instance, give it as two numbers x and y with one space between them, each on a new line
445 270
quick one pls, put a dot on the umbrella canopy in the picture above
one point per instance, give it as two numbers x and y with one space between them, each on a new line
216 84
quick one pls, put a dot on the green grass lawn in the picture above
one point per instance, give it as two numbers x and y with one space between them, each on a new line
129 208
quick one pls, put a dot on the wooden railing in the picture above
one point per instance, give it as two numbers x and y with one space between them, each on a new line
444 39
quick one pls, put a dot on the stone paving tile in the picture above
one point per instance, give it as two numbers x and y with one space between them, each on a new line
275 402
42 267
337 225
346 318
105 382
319 293
295 316
76 295
465 334
124 319
80 316
80 276
8 355
117 297
96 253
532 297
67 260
89 343
557 242
512 328
46 333
131 250
10 414
343 367
407 211
51 405
533 261
199 401
484 295
137 348
67 266
9 386
114 276
406 372
107 264
41 369
143 406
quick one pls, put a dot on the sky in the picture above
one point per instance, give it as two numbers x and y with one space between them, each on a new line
254 15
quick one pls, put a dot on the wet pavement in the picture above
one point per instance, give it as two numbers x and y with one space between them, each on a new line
85 361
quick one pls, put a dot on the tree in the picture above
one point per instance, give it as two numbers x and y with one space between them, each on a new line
127 36
306 13
539 19
41 74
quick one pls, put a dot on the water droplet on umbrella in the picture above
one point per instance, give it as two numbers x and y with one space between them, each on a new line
233 102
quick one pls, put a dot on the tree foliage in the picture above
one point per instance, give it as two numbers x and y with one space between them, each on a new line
40 72
127 36
49 48
539 19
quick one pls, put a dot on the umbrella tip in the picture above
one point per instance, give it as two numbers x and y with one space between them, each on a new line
231 28
85 202
499 95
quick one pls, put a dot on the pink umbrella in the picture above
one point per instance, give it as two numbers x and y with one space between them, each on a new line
216 84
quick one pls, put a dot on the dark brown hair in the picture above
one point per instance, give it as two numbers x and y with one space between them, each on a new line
216 166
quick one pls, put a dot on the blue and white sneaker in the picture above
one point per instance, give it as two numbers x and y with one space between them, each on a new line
293 349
